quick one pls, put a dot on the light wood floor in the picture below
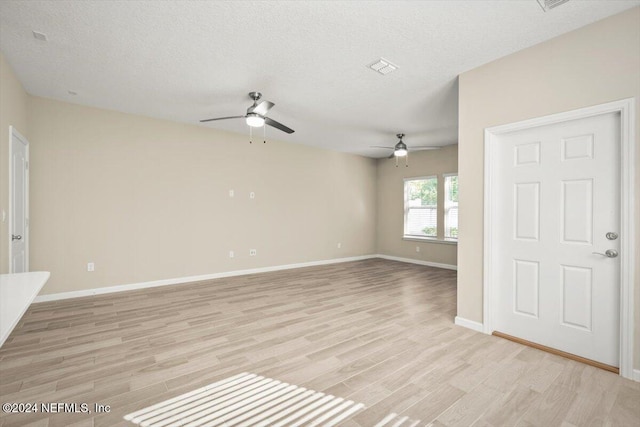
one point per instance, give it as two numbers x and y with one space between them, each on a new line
377 332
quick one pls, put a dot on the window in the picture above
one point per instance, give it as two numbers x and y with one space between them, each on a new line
429 215
421 207
451 206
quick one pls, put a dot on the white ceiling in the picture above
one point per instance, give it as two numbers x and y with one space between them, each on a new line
186 61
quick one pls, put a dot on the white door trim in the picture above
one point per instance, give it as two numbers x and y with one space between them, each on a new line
626 109
13 133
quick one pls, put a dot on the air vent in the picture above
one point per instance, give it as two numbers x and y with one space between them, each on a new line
40 36
547 5
383 66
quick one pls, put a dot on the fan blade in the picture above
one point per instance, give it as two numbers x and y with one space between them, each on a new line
261 108
392 155
277 125
379 146
222 118
426 147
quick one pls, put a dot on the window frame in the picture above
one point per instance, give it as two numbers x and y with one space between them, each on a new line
447 206
406 208
440 210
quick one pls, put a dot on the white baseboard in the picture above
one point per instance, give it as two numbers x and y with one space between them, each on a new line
418 261
180 280
470 324
636 375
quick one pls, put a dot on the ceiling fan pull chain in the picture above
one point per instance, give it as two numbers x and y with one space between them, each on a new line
406 161
396 157
250 134
264 134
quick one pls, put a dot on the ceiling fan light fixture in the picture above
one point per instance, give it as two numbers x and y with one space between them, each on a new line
400 152
254 120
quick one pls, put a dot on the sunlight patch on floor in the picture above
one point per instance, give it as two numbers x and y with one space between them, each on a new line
395 420
248 399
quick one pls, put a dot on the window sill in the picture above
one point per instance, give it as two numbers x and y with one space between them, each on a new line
430 240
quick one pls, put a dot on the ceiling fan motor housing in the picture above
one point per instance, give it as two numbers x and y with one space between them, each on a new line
255 96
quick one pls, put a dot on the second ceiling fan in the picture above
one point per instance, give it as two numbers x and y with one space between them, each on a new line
401 149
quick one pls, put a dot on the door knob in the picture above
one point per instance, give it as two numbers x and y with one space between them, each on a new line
14 237
609 253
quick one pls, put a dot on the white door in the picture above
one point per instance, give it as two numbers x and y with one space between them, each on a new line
19 209
559 215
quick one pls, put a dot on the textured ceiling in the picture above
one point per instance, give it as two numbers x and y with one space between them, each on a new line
190 60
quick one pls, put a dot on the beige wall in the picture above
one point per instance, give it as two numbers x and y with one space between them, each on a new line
13 112
391 205
595 64
147 199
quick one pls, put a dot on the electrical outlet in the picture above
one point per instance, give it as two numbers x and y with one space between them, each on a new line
231 254
91 266
417 248
252 195
339 245
252 252
231 193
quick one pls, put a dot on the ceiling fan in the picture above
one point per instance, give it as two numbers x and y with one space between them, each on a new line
257 115
401 149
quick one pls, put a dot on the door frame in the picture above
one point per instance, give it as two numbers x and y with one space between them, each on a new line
13 133
626 109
